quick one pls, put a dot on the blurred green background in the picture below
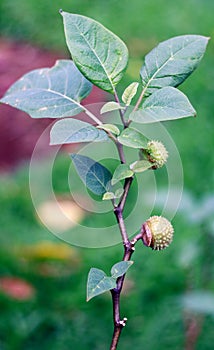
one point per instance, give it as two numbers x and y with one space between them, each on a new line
169 295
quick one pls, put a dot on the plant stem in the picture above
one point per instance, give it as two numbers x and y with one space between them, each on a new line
121 152
137 104
119 323
120 110
129 248
140 99
115 338
128 245
127 186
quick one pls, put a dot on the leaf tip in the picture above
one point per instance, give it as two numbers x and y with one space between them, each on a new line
2 100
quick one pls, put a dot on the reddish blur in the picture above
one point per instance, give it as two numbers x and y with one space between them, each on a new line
16 288
19 132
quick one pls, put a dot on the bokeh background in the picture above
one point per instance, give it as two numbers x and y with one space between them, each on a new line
168 297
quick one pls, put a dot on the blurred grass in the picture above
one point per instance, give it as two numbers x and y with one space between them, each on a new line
58 317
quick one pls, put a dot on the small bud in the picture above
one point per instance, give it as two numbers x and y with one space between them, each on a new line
156 153
157 233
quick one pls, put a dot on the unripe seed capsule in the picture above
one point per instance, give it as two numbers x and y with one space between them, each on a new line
157 233
156 153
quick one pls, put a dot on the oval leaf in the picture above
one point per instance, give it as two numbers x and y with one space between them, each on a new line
93 174
110 127
111 195
72 130
119 192
99 54
121 172
133 138
110 106
165 104
140 165
98 283
129 93
50 92
172 61
120 268
108 195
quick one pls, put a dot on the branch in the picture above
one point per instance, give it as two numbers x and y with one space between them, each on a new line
129 248
119 216
120 111
118 211
119 323
137 104
120 152
140 99
127 186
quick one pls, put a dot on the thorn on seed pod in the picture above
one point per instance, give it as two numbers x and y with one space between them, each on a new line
157 233
156 153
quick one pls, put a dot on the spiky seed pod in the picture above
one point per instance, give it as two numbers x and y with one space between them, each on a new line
157 233
156 153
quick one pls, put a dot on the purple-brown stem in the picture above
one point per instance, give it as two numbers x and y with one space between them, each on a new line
129 248
120 110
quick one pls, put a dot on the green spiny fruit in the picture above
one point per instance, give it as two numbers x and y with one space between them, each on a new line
156 153
157 233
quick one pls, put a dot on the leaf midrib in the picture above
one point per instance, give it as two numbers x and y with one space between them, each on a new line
157 71
54 92
153 109
101 183
102 64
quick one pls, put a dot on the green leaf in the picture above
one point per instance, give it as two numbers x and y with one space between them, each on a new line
119 192
98 283
140 165
129 93
50 92
172 61
93 174
133 138
72 130
165 104
110 106
108 196
120 268
121 172
110 127
99 54
111 195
